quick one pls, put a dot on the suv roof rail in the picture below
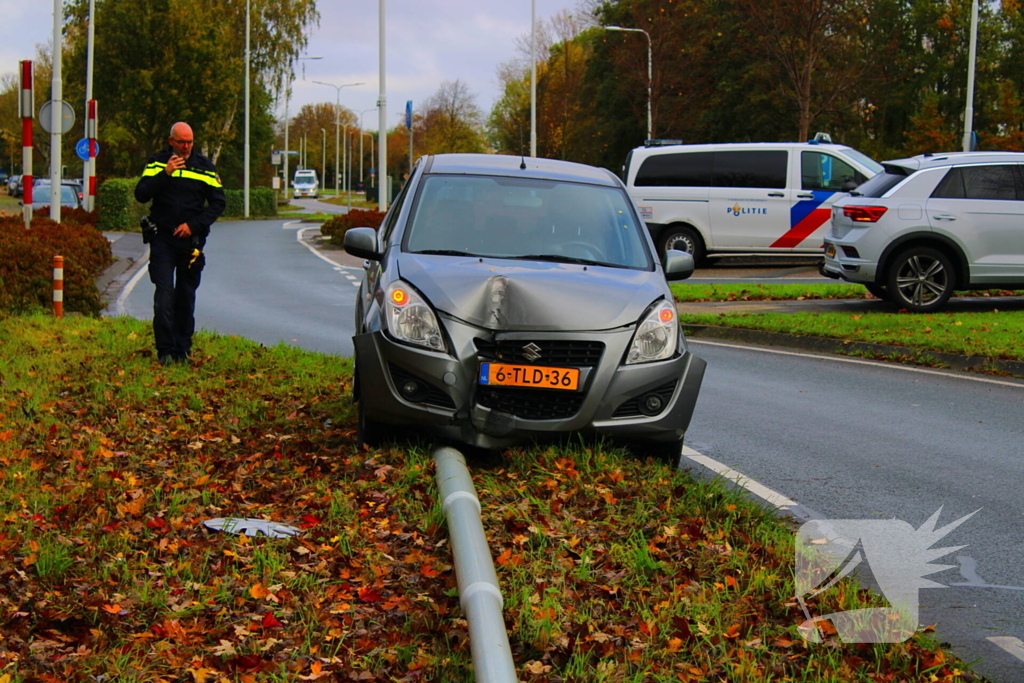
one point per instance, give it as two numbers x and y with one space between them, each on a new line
661 143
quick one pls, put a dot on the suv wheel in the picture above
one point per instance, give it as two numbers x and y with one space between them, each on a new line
683 238
879 292
921 279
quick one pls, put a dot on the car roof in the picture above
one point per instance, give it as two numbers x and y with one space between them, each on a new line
725 146
507 165
923 161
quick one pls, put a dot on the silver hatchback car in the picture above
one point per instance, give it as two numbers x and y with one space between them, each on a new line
932 225
510 300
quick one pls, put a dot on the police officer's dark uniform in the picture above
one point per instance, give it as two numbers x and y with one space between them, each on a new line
192 195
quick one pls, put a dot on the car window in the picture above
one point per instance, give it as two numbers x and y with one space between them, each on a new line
878 185
687 169
513 218
979 182
750 168
825 172
388 224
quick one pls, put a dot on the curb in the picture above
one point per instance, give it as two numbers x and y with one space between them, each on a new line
953 361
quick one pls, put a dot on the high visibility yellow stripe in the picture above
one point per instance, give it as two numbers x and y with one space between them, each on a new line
208 177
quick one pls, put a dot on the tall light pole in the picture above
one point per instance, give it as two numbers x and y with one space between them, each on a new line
382 118
323 157
971 60
287 96
650 71
533 79
337 130
245 152
361 128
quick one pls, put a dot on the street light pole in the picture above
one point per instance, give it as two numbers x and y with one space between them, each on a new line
323 157
971 60
533 79
362 158
382 117
287 95
650 72
337 130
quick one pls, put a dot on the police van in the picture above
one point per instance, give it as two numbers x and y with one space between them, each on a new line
742 198
305 184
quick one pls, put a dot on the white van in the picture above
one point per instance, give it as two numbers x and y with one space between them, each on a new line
305 184
748 198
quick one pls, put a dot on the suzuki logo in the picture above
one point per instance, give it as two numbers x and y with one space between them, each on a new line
531 351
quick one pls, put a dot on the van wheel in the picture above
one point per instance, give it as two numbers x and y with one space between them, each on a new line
683 238
921 279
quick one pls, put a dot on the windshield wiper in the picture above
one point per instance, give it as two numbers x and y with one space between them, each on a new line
444 252
556 258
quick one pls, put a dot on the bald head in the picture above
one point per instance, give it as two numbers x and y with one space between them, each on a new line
181 139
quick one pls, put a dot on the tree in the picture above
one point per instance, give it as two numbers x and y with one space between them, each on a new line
162 61
451 121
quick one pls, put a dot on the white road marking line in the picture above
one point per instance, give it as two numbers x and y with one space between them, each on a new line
760 490
291 225
859 361
123 296
1012 645
299 238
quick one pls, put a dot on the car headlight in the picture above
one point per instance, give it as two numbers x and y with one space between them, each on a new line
657 335
410 319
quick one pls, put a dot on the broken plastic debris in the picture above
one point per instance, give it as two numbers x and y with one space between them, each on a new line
252 527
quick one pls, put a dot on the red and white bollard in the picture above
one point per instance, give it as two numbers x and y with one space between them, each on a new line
26 104
58 286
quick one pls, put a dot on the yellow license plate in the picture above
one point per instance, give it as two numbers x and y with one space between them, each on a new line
830 250
538 376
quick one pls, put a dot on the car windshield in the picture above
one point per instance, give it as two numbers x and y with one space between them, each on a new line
41 195
864 159
529 219
883 182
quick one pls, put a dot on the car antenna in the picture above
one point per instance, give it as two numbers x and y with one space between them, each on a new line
522 150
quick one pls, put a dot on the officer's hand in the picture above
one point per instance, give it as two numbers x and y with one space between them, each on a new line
183 231
175 163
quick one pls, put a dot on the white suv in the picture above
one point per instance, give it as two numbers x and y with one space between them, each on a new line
761 197
932 225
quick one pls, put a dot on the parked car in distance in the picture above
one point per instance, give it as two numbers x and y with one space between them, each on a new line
3 177
509 300
932 225
69 196
12 185
743 198
305 184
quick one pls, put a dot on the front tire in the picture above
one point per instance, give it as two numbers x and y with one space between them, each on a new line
921 279
683 238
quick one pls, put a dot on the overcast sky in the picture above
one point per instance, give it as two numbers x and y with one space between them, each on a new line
428 41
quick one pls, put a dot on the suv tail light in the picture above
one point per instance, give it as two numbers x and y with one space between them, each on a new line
864 214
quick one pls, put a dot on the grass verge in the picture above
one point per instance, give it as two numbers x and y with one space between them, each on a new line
613 568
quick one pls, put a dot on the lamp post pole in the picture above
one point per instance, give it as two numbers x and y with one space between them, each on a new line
382 116
337 131
972 59
323 156
362 158
650 71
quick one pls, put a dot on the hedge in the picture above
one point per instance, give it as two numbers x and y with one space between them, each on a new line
119 212
26 264
335 228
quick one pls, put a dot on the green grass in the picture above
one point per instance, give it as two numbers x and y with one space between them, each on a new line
992 334
613 568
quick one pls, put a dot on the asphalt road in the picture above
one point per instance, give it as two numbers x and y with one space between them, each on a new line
851 439
845 439
261 283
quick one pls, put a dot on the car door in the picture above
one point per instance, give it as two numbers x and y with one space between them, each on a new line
823 177
749 199
981 207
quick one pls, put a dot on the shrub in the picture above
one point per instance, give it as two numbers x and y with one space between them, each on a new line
80 216
262 202
335 228
26 264
116 205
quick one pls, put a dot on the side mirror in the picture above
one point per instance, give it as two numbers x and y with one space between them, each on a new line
849 185
362 242
678 265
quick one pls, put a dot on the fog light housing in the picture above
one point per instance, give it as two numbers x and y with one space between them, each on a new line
413 391
651 404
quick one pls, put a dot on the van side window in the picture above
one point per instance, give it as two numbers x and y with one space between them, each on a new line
824 172
675 170
753 168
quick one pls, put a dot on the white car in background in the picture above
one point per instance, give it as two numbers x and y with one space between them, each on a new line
931 225
305 184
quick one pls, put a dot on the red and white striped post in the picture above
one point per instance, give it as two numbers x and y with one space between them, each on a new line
91 128
26 104
58 286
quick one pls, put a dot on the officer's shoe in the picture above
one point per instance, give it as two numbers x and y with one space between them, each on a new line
183 358
166 359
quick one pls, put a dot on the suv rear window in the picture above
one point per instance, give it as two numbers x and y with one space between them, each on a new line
878 185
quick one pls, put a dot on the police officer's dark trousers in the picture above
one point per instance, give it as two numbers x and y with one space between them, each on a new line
174 303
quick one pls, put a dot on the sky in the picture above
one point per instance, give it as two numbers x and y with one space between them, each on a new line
427 42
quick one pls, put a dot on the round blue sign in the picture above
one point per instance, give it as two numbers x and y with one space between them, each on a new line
82 149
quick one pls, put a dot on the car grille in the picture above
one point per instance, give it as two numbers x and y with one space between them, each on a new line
531 404
433 395
631 408
557 352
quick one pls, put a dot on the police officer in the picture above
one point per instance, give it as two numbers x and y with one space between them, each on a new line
187 198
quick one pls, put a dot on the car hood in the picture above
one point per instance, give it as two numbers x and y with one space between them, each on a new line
501 294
